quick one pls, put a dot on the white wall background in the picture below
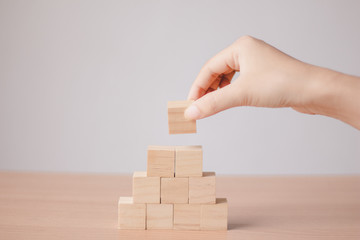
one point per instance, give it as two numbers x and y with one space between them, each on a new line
84 84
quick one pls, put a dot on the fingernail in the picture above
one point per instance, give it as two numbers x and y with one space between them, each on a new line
192 113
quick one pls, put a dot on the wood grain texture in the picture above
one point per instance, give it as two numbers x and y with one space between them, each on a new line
214 216
174 190
131 215
159 216
46 206
188 161
161 161
202 189
178 124
145 189
187 216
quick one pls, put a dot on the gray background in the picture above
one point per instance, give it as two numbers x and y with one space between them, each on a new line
84 84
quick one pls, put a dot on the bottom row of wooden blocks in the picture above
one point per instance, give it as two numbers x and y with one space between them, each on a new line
173 216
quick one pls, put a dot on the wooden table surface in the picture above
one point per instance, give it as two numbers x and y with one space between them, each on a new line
80 206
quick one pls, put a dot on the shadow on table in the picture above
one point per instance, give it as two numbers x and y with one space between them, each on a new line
172 234
182 234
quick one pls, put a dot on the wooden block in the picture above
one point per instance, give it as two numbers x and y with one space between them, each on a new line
159 216
177 122
187 216
188 161
145 189
174 190
214 216
202 189
160 161
131 215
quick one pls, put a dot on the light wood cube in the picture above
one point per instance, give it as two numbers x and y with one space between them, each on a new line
174 190
145 189
131 215
188 161
160 161
177 122
159 216
214 216
202 189
187 216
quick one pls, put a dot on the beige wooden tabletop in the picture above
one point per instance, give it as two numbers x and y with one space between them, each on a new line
79 206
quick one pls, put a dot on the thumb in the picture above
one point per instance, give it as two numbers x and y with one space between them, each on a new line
212 103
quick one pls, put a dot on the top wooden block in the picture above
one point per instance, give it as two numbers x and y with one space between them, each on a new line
177 122
160 161
188 161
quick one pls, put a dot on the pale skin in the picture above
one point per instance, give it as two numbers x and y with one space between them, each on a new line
270 78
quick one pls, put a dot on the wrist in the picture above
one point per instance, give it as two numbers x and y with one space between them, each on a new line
322 91
334 94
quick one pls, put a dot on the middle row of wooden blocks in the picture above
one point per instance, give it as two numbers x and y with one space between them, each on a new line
174 190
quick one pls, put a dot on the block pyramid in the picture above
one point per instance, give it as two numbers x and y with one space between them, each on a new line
174 192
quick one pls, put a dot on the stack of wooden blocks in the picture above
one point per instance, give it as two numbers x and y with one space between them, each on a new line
174 192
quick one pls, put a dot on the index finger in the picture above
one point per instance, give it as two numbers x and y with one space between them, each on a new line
222 63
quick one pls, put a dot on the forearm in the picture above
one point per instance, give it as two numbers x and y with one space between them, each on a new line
336 95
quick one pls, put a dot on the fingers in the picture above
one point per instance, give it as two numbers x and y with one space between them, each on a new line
222 63
216 82
221 81
226 79
212 103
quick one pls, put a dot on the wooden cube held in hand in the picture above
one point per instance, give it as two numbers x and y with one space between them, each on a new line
131 215
177 122
145 189
188 161
160 161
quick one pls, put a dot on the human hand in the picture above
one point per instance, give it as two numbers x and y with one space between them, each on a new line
268 78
